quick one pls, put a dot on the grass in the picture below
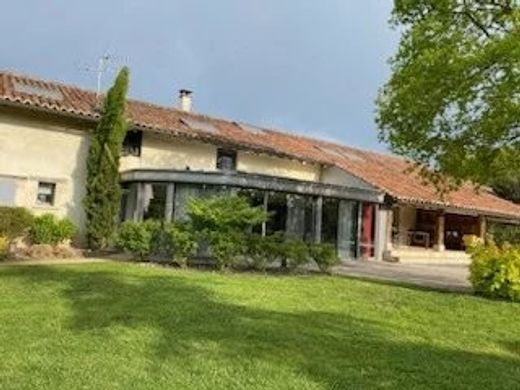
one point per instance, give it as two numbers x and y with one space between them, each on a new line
118 326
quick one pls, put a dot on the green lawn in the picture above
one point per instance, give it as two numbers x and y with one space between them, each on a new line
117 326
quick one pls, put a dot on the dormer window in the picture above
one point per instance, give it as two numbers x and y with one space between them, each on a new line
226 160
132 143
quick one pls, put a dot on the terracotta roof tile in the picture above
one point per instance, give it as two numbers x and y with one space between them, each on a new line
386 172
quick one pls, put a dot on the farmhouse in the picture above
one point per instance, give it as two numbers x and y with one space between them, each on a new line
368 204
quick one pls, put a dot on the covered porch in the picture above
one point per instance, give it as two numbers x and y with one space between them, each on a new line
429 234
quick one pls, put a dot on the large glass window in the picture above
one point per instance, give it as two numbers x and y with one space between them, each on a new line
154 201
256 199
329 228
309 219
277 208
348 222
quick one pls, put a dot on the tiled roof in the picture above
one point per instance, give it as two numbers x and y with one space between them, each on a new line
388 173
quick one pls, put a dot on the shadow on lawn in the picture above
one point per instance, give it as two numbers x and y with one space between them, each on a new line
337 350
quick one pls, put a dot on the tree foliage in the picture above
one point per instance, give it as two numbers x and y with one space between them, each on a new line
103 195
452 103
508 187
223 222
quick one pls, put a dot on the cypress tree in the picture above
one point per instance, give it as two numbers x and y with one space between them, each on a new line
103 191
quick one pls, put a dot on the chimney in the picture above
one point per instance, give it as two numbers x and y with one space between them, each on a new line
185 101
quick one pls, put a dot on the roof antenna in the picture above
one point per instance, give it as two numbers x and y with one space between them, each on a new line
100 70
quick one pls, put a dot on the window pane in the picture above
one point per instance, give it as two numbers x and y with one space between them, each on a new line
46 193
329 229
7 192
132 143
277 208
154 201
226 160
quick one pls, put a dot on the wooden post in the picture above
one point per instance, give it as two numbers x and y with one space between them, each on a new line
439 231
482 227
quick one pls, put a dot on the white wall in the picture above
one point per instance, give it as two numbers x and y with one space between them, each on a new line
33 151
275 166
173 153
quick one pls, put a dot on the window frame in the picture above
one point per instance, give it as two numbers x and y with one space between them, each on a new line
226 153
132 143
52 201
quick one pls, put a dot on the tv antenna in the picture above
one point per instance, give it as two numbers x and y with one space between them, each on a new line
100 70
105 64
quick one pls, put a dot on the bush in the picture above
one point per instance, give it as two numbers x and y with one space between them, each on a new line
503 233
495 271
14 222
222 222
294 252
224 213
226 247
182 242
4 247
47 229
324 255
137 237
264 251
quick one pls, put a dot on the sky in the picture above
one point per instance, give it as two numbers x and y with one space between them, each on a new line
304 66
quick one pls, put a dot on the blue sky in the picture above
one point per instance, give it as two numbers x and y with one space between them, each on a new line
310 67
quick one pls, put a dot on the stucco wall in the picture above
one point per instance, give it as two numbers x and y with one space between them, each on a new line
333 175
33 151
274 166
162 153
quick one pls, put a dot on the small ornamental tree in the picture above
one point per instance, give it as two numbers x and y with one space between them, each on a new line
103 193
223 221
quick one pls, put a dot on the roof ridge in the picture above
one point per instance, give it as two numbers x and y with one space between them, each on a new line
283 132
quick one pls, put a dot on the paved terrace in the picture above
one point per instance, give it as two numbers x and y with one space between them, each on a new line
450 277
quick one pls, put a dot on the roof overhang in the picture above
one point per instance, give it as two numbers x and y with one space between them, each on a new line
450 209
246 180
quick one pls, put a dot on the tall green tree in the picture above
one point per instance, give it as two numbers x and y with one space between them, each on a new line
452 103
103 192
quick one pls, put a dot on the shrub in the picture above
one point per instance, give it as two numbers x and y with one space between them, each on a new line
503 233
264 251
222 222
4 247
295 252
495 271
182 242
224 213
226 247
47 229
137 237
14 222
324 255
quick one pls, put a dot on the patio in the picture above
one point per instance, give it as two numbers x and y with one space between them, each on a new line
449 277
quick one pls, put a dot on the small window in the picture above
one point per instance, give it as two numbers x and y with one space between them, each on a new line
226 160
132 143
46 193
